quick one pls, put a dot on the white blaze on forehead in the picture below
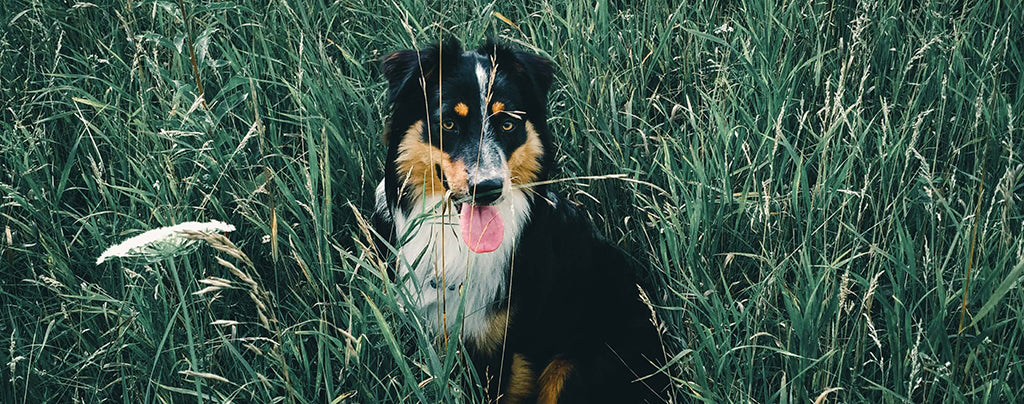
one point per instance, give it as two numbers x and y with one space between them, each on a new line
482 78
491 160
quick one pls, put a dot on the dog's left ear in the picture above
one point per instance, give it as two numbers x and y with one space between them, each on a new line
537 69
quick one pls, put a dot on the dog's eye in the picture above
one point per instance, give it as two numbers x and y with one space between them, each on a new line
508 125
448 125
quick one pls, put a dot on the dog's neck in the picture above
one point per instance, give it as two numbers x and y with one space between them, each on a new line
438 270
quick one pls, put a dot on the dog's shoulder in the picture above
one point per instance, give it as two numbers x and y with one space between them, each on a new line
573 282
561 216
572 231
567 251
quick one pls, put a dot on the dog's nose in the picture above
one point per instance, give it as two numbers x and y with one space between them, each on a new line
486 192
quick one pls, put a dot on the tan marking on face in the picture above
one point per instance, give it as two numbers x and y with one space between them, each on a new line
417 163
497 107
455 172
461 109
521 381
524 163
552 380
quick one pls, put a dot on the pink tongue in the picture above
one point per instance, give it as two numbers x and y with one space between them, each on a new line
482 228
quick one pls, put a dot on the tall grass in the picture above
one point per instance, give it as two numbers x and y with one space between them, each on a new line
810 183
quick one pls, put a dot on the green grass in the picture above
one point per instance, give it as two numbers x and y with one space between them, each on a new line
810 181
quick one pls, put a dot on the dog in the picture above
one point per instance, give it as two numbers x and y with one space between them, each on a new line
548 311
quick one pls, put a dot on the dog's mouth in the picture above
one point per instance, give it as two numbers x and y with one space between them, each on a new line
481 225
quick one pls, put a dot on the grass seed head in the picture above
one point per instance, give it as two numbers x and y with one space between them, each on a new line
163 242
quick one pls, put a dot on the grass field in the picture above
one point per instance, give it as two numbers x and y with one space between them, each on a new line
820 188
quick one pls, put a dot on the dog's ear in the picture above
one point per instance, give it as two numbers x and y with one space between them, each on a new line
398 68
405 69
537 69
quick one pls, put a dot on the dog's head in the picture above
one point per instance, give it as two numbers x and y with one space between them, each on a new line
469 122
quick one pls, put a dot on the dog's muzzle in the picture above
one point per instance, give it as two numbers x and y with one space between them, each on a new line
486 192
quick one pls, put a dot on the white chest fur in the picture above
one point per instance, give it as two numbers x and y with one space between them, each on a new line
440 273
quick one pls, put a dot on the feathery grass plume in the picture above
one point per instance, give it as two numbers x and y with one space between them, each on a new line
163 242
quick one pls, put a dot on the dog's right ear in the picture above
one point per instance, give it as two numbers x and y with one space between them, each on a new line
406 68
402 67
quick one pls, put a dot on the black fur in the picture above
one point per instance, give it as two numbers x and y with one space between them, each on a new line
576 297
573 294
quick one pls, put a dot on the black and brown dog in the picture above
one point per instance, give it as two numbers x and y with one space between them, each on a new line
548 311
